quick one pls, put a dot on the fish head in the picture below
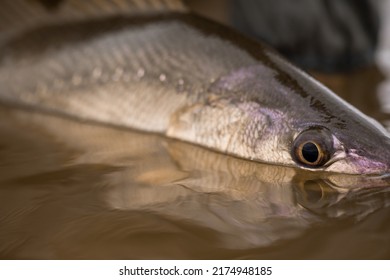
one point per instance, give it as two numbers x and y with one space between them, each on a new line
332 135
362 151
291 119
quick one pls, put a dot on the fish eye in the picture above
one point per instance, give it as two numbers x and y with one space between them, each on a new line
313 147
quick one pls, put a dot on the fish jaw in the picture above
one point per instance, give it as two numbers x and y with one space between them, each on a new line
367 155
363 147
356 164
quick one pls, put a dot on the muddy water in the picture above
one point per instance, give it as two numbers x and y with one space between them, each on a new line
72 190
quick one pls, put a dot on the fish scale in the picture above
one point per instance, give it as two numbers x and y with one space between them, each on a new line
80 62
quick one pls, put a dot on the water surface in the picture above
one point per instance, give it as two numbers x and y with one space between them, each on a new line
73 190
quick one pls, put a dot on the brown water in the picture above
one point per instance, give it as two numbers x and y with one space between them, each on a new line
72 190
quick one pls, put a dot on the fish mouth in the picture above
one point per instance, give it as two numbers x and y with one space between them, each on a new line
353 163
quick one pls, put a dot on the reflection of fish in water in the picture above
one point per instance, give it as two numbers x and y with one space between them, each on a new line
161 69
245 204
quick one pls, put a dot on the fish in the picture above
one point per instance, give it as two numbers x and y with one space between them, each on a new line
159 68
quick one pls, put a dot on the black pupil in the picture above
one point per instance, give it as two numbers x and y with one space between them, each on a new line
310 152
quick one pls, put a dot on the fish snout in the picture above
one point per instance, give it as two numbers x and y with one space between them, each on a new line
357 161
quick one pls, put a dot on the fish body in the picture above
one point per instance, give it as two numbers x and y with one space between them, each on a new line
189 78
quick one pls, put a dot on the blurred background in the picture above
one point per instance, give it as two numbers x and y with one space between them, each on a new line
343 43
